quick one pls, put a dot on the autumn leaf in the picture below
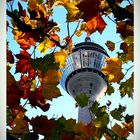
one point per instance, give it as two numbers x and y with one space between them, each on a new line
49 83
60 57
85 131
54 37
128 53
73 12
110 90
86 6
125 29
21 127
110 45
117 112
126 88
10 57
82 100
44 46
41 125
14 92
95 24
121 132
45 63
36 99
113 69
32 4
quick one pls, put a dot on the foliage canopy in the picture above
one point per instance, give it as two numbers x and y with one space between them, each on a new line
33 28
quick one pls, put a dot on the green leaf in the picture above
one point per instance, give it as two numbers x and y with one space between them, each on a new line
82 100
29 136
40 1
126 88
117 112
45 63
129 118
110 90
101 121
94 108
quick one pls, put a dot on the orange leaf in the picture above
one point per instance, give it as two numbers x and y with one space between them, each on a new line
110 45
56 38
95 24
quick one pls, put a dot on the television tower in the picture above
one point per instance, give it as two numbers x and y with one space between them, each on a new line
82 75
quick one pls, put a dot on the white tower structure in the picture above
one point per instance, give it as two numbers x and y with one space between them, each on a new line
82 75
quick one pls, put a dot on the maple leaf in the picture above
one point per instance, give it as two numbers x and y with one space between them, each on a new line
85 131
110 45
44 46
73 12
60 57
21 127
42 125
54 37
121 132
14 91
128 53
96 23
45 63
10 57
36 99
126 88
22 66
117 112
89 8
113 69
49 83
82 100
125 28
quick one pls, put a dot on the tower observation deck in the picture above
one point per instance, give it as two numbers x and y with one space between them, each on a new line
82 75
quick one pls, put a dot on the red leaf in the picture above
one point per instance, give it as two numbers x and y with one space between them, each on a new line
95 24
31 73
22 66
42 125
90 8
23 55
10 57
14 92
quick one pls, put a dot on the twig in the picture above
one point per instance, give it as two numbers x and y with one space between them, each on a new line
128 69
73 33
17 113
111 19
68 29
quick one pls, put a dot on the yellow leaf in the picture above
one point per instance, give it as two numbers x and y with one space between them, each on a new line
73 12
33 85
113 69
42 9
44 46
60 57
